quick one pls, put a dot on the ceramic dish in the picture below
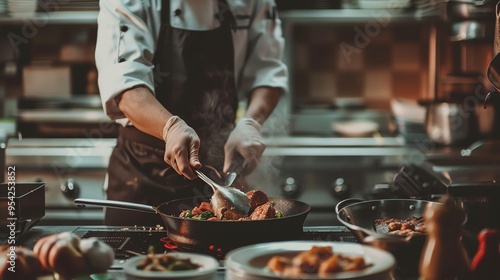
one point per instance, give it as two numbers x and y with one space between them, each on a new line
250 262
207 270
355 128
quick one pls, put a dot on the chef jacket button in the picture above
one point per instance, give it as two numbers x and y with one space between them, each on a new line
177 12
124 28
121 59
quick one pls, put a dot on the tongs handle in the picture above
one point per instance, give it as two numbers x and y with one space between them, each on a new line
237 165
236 168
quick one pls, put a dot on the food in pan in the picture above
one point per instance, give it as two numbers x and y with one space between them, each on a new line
261 208
407 227
319 260
158 262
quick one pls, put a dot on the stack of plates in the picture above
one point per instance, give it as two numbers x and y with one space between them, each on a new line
249 263
22 7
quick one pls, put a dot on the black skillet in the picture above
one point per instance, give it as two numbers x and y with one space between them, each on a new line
226 235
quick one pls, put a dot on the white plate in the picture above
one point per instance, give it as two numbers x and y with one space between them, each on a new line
207 270
250 262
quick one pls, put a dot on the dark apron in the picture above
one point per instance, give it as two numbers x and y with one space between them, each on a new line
197 84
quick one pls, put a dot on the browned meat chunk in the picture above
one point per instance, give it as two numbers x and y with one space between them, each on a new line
355 264
330 265
406 227
278 263
257 198
307 262
318 259
321 252
265 211
394 226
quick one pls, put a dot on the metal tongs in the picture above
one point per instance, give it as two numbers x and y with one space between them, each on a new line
228 202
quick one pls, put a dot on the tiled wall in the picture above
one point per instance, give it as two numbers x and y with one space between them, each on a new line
328 64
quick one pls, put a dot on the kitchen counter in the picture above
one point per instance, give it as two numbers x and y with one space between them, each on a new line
116 272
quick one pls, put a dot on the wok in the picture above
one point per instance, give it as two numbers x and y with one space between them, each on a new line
359 216
225 235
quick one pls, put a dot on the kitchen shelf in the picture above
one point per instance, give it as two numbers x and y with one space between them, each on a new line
309 142
356 15
41 19
309 16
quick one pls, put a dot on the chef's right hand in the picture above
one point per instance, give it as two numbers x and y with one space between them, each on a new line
181 147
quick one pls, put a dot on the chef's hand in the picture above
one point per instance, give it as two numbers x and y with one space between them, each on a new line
244 139
181 147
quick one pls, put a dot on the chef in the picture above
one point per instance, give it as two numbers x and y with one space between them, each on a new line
172 73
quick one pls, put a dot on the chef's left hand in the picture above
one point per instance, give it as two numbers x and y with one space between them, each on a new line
246 140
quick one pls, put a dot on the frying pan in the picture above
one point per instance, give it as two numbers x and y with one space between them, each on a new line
359 216
225 235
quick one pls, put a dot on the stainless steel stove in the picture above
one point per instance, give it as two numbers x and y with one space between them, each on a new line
130 241
473 182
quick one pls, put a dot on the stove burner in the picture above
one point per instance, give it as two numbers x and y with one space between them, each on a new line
128 242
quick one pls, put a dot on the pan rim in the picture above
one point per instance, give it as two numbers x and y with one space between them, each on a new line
297 215
373 232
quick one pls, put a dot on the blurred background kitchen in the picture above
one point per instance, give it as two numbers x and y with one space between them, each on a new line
386 97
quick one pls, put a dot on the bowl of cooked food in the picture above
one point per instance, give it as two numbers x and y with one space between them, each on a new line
309 260
175 265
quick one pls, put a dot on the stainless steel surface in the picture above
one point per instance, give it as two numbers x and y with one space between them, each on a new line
84 202
237 166
471 177
322 179
449 123
314 121
65 17
353 15
467 9
334 142
7 130
469 30
315 162
71 168
64 116
338 15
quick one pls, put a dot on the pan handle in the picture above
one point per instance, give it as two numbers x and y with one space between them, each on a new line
346 202
83 202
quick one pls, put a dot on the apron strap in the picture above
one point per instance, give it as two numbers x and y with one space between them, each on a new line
226 17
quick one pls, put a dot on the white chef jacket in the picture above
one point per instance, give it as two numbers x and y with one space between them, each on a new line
128 32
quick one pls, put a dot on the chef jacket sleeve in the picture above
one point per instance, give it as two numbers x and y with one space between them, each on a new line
264 65
124 50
